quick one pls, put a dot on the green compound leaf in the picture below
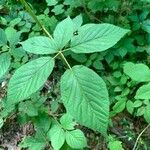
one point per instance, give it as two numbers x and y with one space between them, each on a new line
143 92
96 38
57 136
76 139
63 32
4 63
40 45
29 78
137 72
85 97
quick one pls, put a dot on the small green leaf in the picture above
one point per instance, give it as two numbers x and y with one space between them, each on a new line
135 73
85 97
146 25
137 103
40 45
146 102
147 113
98 65
54 106
29 78
140 111
115 145
58 9
130 106
4 63
42 122
51 2
57 136
15 22
67 122
28 108
12 36
119 106
63 32
33 143
3 38
143 92
73 3
76 139
96 38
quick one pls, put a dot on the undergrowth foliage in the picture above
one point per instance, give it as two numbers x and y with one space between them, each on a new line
83 92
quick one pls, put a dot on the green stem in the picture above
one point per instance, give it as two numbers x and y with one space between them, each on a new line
56 55
66 50
29 10
63 57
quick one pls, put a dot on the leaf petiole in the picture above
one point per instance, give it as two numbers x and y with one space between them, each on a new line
63 57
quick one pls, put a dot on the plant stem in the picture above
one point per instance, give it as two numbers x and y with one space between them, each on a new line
29 10
63 57
135 145
66 50
56 55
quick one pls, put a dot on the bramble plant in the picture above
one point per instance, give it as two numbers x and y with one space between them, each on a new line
73 75
83 92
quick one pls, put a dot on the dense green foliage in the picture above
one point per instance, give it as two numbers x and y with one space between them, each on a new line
94 54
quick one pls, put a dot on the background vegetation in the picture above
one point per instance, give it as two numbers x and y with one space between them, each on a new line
124 68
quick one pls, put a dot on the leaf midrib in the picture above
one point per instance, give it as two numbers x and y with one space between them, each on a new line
83 94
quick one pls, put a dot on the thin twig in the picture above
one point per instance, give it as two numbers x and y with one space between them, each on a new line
135 145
